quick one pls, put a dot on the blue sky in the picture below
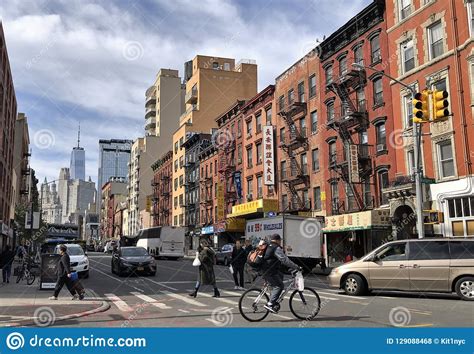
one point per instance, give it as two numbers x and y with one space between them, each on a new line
91 61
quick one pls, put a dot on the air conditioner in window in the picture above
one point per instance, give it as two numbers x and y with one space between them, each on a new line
239 160
381 147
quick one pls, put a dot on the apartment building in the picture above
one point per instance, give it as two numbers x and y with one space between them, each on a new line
212 85
431 47
164 104
114 192
21 153
8 115
161 184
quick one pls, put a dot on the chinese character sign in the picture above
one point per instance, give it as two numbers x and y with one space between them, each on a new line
269 156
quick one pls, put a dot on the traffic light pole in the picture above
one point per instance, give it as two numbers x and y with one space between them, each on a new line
416 152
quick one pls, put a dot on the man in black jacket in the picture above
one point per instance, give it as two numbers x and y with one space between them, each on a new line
64 275
239 258
6 261
273 258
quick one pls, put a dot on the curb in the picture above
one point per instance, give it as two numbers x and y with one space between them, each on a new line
102 308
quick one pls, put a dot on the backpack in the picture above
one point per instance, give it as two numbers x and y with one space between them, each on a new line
255 257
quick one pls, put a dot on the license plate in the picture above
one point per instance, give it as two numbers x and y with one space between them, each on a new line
140 268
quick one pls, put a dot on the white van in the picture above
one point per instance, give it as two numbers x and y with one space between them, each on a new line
162 241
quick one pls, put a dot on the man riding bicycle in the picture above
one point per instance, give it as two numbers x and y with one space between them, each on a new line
273 258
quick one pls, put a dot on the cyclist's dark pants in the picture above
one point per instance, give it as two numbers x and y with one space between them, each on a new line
276 282
60 283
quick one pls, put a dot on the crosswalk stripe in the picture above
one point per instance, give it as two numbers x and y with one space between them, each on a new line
233 293
151 301
183 298
348 296
122 305
221 299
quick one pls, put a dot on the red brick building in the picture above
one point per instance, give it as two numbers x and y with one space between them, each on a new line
114 192
431 46
162 184
208 184
8 113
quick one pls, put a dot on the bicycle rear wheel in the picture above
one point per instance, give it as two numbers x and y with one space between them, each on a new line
305 304
30 278
251 305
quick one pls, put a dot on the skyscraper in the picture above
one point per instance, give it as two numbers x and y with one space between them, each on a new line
78 160
114 156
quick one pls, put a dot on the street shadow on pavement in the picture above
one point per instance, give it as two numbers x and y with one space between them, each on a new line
410 295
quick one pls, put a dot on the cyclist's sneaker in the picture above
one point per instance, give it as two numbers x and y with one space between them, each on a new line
52 298
270 308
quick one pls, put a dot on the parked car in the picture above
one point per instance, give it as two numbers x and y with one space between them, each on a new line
79 260
129 260
224 254
90 247
428 265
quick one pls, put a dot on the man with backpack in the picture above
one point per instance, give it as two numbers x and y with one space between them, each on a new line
272 259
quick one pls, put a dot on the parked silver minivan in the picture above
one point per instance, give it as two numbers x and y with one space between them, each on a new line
428 265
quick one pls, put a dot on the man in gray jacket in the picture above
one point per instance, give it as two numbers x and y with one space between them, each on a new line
273 258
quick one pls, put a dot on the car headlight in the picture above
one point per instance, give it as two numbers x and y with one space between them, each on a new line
83 262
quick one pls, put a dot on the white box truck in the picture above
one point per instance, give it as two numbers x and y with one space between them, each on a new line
301 237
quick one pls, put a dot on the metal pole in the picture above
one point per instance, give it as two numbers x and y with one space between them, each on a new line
417 155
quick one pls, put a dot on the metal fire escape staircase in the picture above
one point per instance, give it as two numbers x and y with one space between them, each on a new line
294 144
350 117
226 170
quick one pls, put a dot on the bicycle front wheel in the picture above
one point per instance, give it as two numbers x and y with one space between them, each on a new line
305 304
30 279
251 305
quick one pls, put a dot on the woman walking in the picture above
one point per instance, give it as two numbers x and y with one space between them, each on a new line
206 269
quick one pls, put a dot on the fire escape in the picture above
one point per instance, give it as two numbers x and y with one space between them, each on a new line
354 164
226 172
295 143
164 200
206 198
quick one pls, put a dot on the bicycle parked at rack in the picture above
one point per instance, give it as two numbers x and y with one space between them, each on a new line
25 272
304 304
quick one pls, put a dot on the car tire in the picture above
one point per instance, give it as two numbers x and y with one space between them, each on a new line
465 288
354 285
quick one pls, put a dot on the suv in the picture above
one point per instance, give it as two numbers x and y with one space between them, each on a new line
428 265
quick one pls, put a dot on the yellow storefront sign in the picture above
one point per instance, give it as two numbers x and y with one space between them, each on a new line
259 205
220 201
357 221
148 203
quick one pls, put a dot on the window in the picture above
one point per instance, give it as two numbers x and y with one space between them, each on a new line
343 66
259 187
281 103
312 85
383 183
210 168
429 250
393 252
181 180
330 111
305 198
411 162
175 165
334 197
405 9
363 137
175 183
301 92
304 164
461 249
249 157
176 147
175 202
258 122
461 214
408 56
328 73
408 107
283 169
359 55
268 116
249 127
239 128
367 194
378 92
314 122
181 202
181 142
315 159
381 137
303 126
332 152
317 198
291 96
375 49
282 135
284 202
239 154
249 188
470 16
259 153
445 159
435 36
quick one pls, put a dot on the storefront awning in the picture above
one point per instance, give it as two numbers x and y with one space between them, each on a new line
365 220
255 206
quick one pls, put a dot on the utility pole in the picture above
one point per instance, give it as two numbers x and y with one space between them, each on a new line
416 152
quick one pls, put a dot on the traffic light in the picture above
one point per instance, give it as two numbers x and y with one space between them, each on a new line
421 113
440 105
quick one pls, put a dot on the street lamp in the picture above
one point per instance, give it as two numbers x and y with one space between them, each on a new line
416 152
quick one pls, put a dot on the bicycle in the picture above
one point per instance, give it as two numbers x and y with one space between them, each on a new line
252 302
25 273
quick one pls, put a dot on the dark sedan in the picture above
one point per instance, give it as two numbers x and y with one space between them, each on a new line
128 260
224 254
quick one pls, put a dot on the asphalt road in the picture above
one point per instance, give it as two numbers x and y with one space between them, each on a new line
163 301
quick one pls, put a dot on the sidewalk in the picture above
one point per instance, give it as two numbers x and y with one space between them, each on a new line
23 305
